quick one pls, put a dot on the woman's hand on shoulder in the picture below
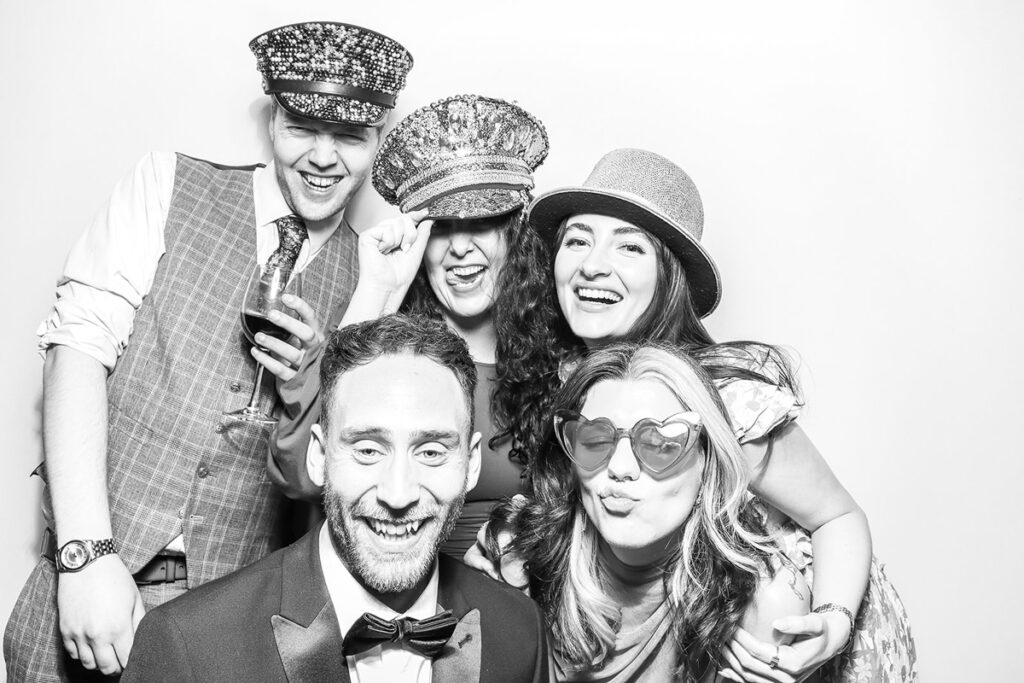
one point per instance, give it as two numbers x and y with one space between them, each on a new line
819 638
510 568
765 648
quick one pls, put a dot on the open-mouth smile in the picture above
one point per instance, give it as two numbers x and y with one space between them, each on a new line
392 531
597 296
465 277
319 183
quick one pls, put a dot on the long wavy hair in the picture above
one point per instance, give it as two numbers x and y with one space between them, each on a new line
711 575
526 389
532 336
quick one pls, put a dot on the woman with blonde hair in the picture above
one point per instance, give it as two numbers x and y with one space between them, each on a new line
641 546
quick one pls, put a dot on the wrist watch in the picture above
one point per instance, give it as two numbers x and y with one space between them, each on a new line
76 555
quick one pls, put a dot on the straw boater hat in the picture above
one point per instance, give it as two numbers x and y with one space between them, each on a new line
650 192
466 156
332 72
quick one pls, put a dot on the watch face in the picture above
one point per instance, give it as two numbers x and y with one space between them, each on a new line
74 555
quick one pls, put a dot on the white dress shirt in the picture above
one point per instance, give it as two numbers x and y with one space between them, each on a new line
111 267
389 662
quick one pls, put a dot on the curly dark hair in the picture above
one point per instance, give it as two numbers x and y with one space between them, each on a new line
532 336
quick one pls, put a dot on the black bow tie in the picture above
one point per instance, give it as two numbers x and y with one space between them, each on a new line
426 636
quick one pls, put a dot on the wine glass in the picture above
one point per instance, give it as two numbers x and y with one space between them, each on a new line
263 295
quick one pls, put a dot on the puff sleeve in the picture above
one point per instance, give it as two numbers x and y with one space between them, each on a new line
756 408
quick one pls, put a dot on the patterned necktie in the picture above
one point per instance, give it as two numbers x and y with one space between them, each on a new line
291 233
426 636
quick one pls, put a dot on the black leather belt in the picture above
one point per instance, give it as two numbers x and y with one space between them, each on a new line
161 569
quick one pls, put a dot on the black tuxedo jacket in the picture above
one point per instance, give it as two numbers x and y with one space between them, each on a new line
274 621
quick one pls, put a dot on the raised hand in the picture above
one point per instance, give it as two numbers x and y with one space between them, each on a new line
390 253
389 256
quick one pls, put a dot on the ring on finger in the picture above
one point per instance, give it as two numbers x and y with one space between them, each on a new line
774 663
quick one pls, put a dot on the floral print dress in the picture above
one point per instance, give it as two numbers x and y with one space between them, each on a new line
883 648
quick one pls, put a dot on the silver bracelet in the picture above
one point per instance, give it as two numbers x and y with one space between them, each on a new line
836 607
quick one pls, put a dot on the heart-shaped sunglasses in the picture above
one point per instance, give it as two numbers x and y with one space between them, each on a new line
657 444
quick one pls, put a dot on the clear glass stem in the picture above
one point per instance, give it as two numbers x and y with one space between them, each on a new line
254 398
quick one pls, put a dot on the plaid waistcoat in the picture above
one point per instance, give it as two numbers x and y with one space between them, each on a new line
175 466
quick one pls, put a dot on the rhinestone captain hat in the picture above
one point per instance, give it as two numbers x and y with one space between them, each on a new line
466 156
331 71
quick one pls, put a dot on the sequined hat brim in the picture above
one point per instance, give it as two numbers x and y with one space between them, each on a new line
480 202
460 143
332 108
547 212
331 71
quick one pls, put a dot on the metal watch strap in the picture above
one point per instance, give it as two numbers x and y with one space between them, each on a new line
94 550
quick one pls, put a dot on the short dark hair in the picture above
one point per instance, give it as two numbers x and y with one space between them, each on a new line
355 345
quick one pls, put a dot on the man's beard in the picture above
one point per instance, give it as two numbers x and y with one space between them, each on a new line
381 571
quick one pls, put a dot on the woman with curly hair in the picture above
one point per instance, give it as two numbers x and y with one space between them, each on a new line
461 170
491 322
626 263
642 548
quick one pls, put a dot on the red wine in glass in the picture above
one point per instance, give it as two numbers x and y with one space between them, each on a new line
262 296
254 322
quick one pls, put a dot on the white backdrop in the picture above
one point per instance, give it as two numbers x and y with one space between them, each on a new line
861 172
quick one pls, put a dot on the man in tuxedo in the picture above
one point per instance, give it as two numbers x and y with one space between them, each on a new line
365 596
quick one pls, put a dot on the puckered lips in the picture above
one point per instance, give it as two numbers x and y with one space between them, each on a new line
319 183
397 535
616 501
465 276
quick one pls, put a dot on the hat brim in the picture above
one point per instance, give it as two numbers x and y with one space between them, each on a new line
478 202
547 212
332 108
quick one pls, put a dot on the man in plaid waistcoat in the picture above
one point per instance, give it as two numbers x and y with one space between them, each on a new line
150 490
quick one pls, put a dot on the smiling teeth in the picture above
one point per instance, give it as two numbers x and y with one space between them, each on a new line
467 271
394 530
320 181
599 295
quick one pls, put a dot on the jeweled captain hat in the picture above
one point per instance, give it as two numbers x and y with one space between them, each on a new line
331 71
466 156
